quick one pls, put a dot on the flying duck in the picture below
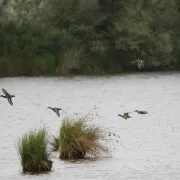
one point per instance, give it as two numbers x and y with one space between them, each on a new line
125 115
56 110
139 63
8 96
140 112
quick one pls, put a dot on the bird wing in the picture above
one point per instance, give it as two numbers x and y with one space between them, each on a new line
144 112
57 112
122 116
5 92
10 101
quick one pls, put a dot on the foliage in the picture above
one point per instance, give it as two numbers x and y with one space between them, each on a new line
54 143
93 36
78 139
32 148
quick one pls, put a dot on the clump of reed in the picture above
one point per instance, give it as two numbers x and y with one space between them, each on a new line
32 149
78 139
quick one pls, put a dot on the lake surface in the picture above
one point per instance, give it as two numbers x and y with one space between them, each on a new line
149 147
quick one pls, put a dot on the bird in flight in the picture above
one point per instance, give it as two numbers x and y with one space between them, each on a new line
7 96
125 115
140 112
139 63
56 110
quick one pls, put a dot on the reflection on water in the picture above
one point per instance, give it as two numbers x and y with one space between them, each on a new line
150 144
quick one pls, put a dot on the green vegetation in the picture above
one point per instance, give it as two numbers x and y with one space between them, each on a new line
61 37
32 148
79 140
55 143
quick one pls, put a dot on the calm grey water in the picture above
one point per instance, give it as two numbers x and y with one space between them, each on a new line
150 144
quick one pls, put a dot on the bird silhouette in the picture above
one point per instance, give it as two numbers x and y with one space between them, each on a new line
56 110
125 115
140 112
139 63
7 96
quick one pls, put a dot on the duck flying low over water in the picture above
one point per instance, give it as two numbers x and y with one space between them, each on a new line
140 112
56 110
7 96
125 115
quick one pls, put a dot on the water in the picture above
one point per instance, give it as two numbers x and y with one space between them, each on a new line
149 145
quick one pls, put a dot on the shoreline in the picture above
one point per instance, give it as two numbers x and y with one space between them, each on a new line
97 74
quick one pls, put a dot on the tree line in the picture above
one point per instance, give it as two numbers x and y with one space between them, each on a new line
61 37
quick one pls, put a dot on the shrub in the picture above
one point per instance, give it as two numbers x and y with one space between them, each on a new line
32 148
79 140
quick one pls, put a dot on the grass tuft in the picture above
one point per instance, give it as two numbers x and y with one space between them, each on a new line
78 139
54 143
32 148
